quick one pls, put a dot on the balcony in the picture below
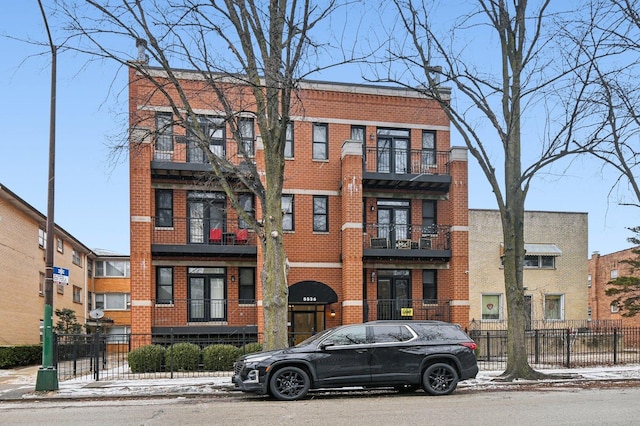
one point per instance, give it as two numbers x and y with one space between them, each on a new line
407 309
410 241
406 169
184 160
180 236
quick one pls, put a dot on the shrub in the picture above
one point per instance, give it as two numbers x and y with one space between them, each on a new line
18 356
220 357
146 359
183 357
252 347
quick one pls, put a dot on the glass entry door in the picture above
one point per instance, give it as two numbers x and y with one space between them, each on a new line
207 299
394 293
393 221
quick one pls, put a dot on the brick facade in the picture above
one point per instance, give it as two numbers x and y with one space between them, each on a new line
602 269
359 200
22 268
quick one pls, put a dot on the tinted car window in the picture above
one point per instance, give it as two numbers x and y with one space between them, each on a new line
391 334
355 335
448 332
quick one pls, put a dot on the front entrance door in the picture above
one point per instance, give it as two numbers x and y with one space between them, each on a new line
394 293
305 320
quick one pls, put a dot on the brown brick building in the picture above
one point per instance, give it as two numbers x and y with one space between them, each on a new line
602 269
375 203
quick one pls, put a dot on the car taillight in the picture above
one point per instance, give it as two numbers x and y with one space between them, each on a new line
470 345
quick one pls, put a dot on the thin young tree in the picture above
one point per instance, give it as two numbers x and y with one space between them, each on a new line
252 55
501 61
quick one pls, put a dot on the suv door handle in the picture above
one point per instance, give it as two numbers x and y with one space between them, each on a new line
361 351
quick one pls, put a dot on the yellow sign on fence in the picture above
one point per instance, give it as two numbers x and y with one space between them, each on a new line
406 312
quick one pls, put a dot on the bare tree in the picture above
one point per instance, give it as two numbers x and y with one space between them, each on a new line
514 73
251 55
615 110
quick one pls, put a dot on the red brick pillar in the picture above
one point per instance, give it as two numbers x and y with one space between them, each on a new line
141 210
459 264
352 281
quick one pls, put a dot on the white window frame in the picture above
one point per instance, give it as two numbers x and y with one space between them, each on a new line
482 303
561 301
100 268
100 301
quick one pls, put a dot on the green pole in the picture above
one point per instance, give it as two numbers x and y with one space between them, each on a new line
47 379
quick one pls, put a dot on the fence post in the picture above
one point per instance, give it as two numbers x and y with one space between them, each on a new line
536 347
96 354
172 353
615 345
568 365
488 346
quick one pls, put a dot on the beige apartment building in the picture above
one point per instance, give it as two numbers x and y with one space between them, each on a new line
22 271
555 270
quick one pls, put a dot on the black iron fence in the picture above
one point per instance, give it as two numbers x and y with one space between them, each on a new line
556 347
107 356
101 356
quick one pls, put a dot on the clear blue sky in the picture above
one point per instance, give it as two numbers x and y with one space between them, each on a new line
92 201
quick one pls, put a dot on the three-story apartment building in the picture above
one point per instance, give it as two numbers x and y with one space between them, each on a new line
375 213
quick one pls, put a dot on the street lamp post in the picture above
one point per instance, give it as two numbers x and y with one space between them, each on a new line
47 379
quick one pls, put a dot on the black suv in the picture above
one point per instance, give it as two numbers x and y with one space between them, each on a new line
401 354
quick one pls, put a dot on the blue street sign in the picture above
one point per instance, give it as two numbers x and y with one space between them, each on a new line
60 275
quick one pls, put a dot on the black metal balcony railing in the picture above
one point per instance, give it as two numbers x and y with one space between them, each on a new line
407 309
202 231
406 161
409 236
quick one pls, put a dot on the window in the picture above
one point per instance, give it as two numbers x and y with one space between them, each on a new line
589 280
246 204
41 284
491 306
60 245
287 213
213 132
247 285
164 208
391 334
164 285
77 294
113 268
76 258
589 313
429 217
320 142
428 150
60 288
112 301
553 307
614 274
320 213
539 262
118 334
42 237
429 287
354 335
614 308
164 137
288 143
357 133
246 130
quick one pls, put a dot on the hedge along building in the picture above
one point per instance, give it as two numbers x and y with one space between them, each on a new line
375 213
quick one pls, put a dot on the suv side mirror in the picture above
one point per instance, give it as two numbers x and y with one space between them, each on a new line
326 345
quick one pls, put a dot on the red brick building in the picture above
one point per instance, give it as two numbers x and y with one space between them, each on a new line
602 269
375 202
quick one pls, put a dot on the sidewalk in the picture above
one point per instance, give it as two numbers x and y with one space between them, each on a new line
19 384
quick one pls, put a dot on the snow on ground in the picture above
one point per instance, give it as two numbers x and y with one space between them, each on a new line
23 381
